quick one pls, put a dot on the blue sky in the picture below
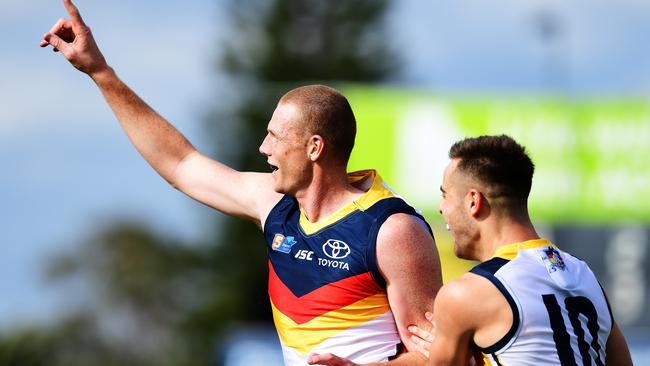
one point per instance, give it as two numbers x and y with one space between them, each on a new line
67 169
463 45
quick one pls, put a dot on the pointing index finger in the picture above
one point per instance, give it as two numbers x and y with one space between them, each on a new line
77 22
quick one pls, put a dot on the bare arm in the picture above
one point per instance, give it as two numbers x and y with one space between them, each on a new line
616 348
459 323
454 328
408 259
246 195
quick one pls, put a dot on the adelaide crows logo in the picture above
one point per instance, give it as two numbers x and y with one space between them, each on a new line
553 259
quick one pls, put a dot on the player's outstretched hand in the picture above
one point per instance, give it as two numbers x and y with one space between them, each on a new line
73 39
421 337
329 359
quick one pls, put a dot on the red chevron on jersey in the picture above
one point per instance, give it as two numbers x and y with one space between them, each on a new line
332 296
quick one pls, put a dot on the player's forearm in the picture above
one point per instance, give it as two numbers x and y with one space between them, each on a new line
157 140
405 359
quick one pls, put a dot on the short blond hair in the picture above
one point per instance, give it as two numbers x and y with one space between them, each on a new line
326 112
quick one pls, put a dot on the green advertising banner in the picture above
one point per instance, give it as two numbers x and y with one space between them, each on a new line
592 156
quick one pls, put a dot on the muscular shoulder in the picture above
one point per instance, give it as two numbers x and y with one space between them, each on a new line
473 304
404 240
463 296
404 231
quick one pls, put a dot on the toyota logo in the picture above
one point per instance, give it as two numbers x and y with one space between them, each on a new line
336 249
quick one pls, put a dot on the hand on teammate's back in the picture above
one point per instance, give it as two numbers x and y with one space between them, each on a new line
74 40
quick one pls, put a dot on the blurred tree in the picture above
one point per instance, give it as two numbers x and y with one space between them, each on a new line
157 301
139 288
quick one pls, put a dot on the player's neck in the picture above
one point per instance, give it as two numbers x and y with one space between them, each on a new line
504 231
326 194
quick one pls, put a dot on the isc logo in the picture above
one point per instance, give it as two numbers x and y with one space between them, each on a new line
304 254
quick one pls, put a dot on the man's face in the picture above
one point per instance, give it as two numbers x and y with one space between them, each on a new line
455 211
286 150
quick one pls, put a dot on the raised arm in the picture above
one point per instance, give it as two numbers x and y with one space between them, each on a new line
246 195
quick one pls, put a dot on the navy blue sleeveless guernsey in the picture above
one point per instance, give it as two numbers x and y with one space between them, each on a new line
326 291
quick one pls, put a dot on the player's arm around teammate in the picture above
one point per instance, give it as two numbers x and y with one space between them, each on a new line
459 323
405 250
468 311
246 195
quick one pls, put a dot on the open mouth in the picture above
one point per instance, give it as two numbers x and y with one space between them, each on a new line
273 167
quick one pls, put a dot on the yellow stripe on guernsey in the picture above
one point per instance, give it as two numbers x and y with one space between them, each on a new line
377 192
492 360
486 360
510 251
304 337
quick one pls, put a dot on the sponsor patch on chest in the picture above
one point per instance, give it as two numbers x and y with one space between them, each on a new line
333 263
283 243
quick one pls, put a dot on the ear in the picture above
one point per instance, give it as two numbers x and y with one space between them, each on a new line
315 147
475 201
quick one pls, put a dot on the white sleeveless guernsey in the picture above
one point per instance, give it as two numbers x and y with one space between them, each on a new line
560 313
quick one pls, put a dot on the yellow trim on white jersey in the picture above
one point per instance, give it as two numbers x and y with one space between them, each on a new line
510 251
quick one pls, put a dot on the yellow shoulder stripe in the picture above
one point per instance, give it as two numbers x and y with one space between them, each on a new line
510 251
